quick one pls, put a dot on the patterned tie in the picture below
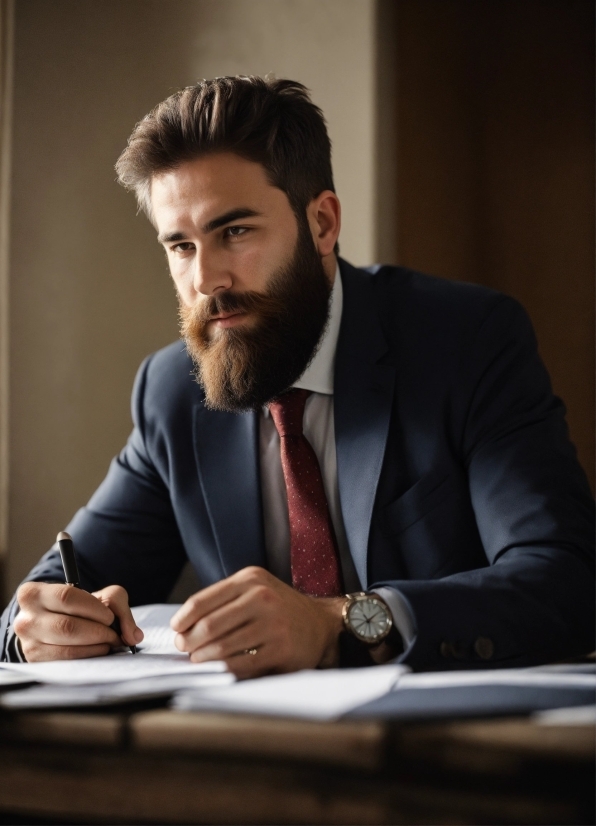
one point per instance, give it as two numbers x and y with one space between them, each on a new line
313 549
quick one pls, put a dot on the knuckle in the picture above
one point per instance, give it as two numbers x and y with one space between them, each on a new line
251 574
64 594
22 624
65 625
27 592
116 593
263 593
207 627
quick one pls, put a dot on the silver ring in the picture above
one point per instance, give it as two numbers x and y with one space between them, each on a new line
251 651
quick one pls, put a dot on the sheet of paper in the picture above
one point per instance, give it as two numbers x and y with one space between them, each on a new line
113 668
500 676
495 692
154 621
12 678
320 695
60 696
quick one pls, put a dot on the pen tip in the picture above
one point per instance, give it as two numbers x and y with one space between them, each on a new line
62 536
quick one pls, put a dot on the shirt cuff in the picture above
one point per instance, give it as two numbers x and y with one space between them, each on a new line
14 653
403 618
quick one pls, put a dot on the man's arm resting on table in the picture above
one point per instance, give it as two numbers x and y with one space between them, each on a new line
534 601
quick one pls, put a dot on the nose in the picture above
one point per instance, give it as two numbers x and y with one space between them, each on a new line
209 277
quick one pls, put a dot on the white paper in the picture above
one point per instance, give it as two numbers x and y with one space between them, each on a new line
9 678
574 716
154 621
501 676
59 695
319 695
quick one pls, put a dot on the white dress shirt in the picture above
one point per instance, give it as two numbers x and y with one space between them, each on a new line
319 429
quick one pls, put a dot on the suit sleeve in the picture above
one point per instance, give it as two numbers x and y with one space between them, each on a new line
534 601
127 533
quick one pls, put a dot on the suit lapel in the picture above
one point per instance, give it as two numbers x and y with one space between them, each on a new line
363 396
226 452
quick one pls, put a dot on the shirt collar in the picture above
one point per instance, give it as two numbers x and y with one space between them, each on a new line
318 376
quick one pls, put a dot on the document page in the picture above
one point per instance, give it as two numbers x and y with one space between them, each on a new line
60 695
154 621
319 695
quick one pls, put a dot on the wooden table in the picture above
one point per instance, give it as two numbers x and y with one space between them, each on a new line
160 766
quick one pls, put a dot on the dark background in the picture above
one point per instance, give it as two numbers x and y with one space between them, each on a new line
495 169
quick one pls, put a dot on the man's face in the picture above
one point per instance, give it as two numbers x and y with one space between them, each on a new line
252 289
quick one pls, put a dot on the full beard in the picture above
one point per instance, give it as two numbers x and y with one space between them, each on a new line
243 369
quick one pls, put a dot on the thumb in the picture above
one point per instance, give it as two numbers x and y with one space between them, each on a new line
116 599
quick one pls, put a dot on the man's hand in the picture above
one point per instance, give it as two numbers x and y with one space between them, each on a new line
61 622
254 610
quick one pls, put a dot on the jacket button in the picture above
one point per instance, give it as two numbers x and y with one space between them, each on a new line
484 647
446 650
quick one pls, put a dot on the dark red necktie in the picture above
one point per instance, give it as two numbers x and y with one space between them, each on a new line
313 549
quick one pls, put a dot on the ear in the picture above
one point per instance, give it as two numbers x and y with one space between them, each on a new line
324 218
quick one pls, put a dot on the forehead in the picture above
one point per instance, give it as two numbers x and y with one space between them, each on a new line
212 184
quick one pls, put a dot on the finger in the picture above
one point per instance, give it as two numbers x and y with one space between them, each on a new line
205 602
62 629
38 652
237 642
63 599
218 623
116 598
213 597
246 666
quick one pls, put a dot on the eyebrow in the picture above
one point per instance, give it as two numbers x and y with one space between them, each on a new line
215 223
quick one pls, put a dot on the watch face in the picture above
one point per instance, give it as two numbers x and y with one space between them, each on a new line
369 619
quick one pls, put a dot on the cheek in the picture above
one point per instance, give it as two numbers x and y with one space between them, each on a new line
182 283
253 267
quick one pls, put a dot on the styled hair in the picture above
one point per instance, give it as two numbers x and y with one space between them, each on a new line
270 121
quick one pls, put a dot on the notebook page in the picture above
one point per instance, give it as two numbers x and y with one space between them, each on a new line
154 621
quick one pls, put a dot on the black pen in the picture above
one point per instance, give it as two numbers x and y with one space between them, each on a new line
71 574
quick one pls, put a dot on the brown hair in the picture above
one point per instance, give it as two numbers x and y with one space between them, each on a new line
272 122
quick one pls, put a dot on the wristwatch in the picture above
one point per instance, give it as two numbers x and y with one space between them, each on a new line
367 617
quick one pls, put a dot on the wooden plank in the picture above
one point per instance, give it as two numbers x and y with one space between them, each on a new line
493 747
92 785
523 737
131 787
65 727
355 744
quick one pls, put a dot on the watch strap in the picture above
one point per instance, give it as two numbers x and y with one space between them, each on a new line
353 653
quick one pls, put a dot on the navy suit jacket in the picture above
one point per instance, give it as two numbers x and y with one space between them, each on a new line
457 481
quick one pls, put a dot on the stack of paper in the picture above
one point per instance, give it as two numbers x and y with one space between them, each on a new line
318 695
158 669
392 692
484 693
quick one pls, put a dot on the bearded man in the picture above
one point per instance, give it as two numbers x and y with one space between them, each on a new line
365 465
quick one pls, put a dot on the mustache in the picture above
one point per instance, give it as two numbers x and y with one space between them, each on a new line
248 301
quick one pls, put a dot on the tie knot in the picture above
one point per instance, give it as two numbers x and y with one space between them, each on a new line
287 412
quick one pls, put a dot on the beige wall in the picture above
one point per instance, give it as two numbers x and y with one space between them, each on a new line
90 295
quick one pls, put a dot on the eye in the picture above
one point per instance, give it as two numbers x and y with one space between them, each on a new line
235 232
183 246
